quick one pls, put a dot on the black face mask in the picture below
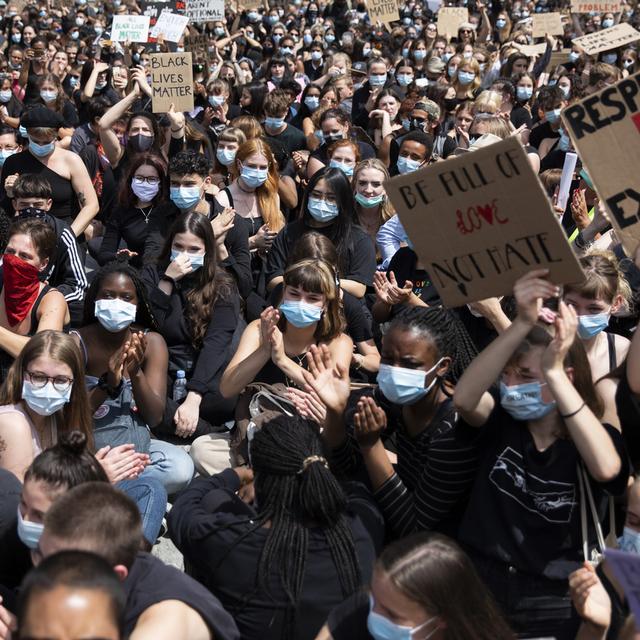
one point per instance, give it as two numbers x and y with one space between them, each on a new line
450 104
31 212
140 143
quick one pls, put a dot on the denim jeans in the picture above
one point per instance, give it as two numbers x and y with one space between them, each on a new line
171 465
151 499
534 606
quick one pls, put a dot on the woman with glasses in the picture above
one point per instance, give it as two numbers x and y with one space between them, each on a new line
27 305
40 399
143 189
329 209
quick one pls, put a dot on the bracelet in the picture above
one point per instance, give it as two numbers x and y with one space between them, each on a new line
112 392
167 278
578 410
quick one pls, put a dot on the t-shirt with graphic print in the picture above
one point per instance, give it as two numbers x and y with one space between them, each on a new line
524 509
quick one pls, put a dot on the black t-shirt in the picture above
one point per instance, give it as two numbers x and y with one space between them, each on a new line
524 508
520 116
404 267
150 581
292 139
540 133
348 621
360 260
628 409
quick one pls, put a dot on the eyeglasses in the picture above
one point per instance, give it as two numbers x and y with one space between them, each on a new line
147 179
327 197
39 381
466 31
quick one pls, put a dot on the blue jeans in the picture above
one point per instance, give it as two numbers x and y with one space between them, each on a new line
171 465
151 499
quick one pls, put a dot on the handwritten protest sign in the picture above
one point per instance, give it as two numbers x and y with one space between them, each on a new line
550 23
626 568
205 10
171 25
605 129
198 45
171 82
480 221
558 57
533 50
600 6
450 18
383 10
132 28
606 39
153 8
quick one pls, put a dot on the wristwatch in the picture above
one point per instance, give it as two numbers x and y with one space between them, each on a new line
112 392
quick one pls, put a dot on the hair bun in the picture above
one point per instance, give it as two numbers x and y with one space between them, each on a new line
74 442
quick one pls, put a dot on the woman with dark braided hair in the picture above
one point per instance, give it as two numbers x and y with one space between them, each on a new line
126 366
280 565
424 352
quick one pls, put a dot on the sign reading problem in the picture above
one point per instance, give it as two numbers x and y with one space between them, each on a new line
450 18
610 38
600 6
480 221
171 82
605 129
383 11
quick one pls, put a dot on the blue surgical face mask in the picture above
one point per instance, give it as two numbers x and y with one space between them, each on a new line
630 541
225 156
345 168
608 22
216 101
41 150
307 39
330 38
286 51
273 123
524 93
185 197
565 91
4 154
46 400
405 386
369 203
382 628
419 55
552 116
466 77
312 102
404 79
524 401
196 259
573 56
316 55
254 178
451 70
301 314
564 144
29 532
114 314
501 23
445 57
407 165
406 124
5 96
377 80
405 51
610 58
590 326
321 210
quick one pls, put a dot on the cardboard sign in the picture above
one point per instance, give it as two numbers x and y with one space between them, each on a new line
558 57
205 10
171 81
480 221
533 50
626 568
383 11
599 6
198 45
550 23
605 129
450 18
171 26
131 28
606 39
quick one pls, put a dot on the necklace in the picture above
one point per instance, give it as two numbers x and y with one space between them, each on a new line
146 215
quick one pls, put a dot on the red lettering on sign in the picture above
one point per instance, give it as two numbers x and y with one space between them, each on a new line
472 219
636 120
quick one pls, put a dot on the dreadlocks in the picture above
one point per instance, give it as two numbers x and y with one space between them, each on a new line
440 327
144 315
295 490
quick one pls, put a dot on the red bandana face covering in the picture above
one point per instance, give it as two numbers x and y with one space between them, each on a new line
20 287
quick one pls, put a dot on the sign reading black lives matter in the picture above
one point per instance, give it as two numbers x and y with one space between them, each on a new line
171 82
480 221
605 129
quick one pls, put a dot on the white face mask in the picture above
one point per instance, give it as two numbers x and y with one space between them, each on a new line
115 314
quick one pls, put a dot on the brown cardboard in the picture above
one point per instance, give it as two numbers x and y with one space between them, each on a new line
480 221
383 11
550 23
171 81
611 38
450 18
600 6
558 57
533 50
605 129
197 44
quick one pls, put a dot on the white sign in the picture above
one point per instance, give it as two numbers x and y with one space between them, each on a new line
205 10
131 28
171 26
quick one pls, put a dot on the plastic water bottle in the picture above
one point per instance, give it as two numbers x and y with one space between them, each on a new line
180 386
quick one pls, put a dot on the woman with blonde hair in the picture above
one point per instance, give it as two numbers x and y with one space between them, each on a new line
466 81
249 125
42 396
488 102
373 206
229 142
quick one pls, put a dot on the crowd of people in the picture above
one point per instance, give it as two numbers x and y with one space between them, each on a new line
215 328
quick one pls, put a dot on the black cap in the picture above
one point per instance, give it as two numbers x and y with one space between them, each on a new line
40 117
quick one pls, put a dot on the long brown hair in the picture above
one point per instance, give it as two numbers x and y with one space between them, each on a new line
127 198
76 414
211 282
434 572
